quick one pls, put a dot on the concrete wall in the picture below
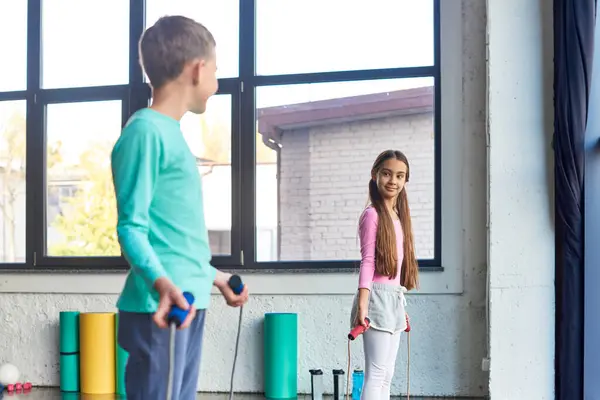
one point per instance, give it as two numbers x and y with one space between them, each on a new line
521 209
449 313
324 175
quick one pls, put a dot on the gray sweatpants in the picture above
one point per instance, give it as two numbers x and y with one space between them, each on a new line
147 371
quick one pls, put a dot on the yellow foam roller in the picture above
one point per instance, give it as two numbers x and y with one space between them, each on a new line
97 353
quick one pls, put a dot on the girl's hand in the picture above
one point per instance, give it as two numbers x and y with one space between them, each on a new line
362 314
363 306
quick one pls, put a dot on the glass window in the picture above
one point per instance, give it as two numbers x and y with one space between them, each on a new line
339 35
221 19
12 181
85 43
13 25
314 156
80 208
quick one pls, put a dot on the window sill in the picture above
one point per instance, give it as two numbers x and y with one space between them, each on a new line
263 282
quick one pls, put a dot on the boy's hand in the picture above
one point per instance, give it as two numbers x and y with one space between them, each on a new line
170 295
232 299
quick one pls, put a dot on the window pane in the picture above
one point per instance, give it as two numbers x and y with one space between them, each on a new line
85 43
313 176
12 181
342 35
13 25
80 201
221 20
209 137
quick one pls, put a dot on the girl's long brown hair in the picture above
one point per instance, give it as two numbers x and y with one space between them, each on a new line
386 252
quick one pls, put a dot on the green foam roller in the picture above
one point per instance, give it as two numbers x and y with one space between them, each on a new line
69 332
121 359
69 351
69 373
281 355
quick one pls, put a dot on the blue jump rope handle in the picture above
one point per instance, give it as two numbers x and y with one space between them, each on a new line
236 284
178 315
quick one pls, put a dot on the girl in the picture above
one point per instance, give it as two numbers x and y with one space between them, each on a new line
388 269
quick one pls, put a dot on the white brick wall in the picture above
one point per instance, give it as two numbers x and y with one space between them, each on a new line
325 172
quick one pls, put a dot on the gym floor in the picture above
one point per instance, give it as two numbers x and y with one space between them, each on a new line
55 394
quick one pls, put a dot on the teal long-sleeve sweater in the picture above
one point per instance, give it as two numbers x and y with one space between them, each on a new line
161 226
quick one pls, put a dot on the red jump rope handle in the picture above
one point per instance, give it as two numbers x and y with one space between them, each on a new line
407 324
358 330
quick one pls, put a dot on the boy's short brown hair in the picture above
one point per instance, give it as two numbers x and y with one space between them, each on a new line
172 41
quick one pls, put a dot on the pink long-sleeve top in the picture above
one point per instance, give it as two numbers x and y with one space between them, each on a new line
367 228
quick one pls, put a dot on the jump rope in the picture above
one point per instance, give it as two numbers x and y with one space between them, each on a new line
177 315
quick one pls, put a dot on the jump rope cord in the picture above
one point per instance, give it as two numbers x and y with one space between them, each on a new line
237 343
408 367
407 370
173 331
348 373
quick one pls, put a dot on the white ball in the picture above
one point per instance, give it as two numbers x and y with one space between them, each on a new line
9 374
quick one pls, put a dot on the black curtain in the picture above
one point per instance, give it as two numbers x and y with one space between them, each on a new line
574 24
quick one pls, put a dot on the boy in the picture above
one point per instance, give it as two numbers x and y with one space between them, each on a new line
161 225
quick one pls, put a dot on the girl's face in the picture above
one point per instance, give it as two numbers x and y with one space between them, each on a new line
391 178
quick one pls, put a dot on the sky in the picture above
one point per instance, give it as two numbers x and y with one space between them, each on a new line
85 43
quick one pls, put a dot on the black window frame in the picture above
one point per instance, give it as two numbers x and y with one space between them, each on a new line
137 94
